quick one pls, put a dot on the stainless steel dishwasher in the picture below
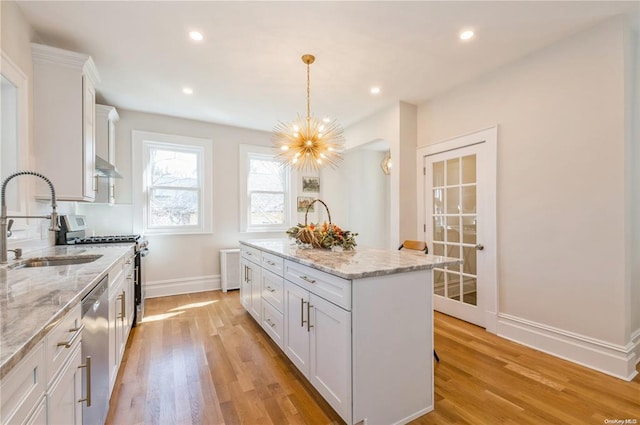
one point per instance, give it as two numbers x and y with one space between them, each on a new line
95 344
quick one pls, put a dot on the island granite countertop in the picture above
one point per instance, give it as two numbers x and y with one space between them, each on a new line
34 299
359 263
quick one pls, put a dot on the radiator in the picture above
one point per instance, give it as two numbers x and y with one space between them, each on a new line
230 269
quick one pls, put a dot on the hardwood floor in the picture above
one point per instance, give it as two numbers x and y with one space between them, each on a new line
201 359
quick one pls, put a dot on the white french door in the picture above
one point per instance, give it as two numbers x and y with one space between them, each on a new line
458 199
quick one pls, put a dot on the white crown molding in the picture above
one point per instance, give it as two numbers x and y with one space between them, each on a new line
80 61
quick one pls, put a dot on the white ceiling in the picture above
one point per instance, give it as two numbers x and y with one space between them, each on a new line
247 72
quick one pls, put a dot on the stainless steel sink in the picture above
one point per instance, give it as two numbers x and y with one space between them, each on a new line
54 261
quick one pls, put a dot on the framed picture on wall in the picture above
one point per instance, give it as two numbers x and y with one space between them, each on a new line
304 202
311 184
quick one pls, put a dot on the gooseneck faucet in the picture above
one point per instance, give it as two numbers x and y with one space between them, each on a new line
3 211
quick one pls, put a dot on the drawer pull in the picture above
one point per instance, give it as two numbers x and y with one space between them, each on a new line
271 263
270 289
68 343
306 279
270 323
88 366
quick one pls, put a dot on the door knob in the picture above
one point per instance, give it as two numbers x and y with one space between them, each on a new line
479 247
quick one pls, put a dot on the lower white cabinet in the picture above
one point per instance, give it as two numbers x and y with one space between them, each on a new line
318 341
23 388
63 405
250 288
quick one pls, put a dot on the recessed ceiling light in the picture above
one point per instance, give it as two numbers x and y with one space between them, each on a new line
187 90
466 35
196 36
375 90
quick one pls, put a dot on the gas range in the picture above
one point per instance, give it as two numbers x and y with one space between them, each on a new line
73 228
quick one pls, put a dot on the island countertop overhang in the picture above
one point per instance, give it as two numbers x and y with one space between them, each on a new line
356 264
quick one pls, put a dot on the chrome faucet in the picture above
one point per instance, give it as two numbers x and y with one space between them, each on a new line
4 229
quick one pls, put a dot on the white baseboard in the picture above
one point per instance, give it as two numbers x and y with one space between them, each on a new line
612 359
165 288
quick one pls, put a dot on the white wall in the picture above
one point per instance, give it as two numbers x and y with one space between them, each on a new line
182 263
561 184
357 194
397 126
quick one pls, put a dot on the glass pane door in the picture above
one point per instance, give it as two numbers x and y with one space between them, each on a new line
454 226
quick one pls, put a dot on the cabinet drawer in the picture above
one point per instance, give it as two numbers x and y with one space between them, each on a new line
273 324
250 253
273 263
61 341
115 272
272 289
23 387
325 285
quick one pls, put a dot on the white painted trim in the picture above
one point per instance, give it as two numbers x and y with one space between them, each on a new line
489 137
166 288
615 360
139 140
635 343
415 415
290 202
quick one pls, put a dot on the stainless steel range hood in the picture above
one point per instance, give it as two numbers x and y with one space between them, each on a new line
106 169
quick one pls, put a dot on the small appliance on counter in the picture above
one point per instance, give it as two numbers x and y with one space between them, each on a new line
73 232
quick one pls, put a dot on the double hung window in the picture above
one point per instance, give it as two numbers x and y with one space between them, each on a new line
264 190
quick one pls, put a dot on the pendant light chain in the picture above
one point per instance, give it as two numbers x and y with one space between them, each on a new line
308 93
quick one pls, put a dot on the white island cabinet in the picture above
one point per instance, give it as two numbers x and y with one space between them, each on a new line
357 324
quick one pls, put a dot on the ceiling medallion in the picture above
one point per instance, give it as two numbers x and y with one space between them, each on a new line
308 143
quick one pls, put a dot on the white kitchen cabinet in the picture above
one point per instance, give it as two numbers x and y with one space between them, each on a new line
250 286
106 118
24 388
64 122
296 335
318 341
116 326
65 393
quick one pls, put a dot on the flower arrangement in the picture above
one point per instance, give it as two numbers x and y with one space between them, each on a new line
326 235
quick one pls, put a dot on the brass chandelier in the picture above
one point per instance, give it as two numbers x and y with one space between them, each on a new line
308 143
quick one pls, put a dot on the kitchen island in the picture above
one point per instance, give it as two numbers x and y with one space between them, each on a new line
357 324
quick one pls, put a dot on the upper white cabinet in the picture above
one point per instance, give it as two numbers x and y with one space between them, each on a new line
64 122
106 118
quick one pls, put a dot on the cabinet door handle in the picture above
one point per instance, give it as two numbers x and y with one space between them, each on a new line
271 263
68 343
121 315
123 305
270 323
309 325
87 365
302 321
306 279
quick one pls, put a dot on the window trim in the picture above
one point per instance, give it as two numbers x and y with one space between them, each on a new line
142 141
245 154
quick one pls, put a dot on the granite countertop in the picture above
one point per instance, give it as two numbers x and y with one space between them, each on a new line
34 299
357 264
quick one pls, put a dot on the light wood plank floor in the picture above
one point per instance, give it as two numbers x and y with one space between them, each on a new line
201 359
